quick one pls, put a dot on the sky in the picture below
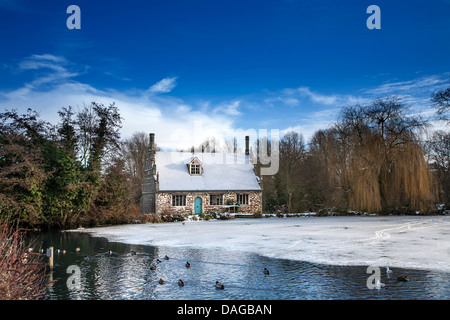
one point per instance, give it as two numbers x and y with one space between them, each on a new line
187 70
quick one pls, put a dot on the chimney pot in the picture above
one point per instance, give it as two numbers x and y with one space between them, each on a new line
152 141
247 145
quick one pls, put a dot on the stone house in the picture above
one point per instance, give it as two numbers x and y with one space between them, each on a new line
194 183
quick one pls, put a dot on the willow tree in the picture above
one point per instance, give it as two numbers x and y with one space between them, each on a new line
385 161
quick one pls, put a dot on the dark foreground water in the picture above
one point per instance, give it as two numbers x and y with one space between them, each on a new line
121 275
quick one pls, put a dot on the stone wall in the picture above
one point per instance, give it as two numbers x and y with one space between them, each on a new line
148 198
164 202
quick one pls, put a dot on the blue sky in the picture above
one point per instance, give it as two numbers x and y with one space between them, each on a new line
221 66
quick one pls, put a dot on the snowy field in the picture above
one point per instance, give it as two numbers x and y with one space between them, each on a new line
395 241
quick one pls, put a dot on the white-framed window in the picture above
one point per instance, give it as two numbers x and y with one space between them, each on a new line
195 169
216 199
242 198
178 200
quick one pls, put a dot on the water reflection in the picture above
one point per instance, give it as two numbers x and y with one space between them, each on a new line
121 275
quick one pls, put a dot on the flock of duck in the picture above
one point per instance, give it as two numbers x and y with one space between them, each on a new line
218 284
181 283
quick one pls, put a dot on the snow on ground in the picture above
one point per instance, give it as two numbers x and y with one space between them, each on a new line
395 241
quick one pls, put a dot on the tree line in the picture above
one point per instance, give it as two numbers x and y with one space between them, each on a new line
65 174
375 158
80 171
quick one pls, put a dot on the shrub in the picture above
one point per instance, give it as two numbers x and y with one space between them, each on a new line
22 273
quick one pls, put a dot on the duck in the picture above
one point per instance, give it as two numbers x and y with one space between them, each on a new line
158 260
266 271
153 267
388 271
166 257
133 253
110 252
219 285
161 281
180 283
188 265
404 279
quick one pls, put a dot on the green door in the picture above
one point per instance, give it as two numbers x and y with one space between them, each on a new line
198 205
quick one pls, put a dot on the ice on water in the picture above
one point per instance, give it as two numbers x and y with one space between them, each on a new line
418 242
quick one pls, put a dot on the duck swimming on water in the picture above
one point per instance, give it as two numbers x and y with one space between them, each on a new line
219 285
161 281
403 279
188 265
266 271
180 283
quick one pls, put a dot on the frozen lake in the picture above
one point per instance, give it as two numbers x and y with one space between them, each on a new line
409 242
308 258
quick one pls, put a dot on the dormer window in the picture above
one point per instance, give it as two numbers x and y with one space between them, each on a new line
195 167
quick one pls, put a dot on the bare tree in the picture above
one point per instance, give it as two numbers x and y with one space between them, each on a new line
288 179
441 101
231 146
438 150
134 153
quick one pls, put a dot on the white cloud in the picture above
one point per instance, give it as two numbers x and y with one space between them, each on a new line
319 98
422 84
163 86
230 109
176 123
289 101
54 71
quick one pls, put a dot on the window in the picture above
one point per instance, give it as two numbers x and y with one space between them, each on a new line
195 169
216 199
178 200
242 198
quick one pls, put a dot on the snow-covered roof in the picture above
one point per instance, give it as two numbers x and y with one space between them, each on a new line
221 172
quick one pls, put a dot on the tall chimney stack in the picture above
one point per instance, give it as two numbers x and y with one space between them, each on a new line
247 145
150 180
